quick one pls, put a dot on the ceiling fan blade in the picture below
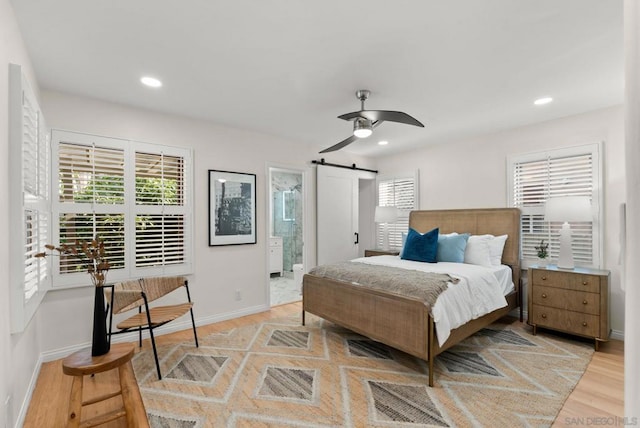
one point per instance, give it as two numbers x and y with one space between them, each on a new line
352 115
348 140
383 115
340 145
391 116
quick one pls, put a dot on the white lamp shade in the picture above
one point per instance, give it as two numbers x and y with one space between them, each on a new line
386 214
568 209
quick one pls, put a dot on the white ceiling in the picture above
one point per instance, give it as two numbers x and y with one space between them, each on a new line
289 67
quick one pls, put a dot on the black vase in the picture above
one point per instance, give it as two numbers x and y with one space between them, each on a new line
100 343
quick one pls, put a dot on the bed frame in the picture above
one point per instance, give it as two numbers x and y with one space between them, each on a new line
403 322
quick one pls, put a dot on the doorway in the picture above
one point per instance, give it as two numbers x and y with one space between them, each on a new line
286 239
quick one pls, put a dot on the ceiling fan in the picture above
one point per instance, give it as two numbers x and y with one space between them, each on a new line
364 121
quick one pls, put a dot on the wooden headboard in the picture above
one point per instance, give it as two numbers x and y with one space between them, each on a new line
494 221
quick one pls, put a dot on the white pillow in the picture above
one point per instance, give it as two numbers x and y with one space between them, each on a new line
496 247
478 250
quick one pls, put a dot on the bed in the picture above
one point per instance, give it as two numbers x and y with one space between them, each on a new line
405 323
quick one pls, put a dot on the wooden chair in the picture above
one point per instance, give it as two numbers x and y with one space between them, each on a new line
139 293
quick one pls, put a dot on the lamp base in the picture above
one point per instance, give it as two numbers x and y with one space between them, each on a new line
565 256
385 237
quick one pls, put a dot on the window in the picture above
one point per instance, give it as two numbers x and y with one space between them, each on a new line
29 204
535 177
136 196
400 191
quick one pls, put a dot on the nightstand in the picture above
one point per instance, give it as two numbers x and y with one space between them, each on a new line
377 252
573 301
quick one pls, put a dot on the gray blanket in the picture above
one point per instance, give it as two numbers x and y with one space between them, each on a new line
425 286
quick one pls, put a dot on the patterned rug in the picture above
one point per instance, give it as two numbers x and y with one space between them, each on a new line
280 374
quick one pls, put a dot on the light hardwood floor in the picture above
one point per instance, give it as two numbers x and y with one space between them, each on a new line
599 393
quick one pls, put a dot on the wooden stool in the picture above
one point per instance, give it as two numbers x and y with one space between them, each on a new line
81 363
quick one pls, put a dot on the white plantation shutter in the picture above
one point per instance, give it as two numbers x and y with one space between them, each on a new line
84 226
29 199
565 172
134 195
90 201
401 192
160 210
36 237
90 174
159 240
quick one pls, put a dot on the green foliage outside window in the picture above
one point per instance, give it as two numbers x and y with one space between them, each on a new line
109 189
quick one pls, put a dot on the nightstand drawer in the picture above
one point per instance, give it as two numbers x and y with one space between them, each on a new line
567 280
577 301
571 322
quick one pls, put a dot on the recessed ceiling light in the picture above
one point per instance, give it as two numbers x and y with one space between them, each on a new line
383 143
543 101
151 82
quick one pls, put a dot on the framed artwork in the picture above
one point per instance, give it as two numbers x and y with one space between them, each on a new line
232 208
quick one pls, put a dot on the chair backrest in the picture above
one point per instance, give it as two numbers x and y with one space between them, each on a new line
156 287
128 294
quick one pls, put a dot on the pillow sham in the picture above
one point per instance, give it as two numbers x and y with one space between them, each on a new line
451 247
478 250
421 247
496 247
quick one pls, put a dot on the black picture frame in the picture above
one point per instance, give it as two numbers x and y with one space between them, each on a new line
232 208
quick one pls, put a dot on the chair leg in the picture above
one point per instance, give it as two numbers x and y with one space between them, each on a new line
195 335
155 353
140 328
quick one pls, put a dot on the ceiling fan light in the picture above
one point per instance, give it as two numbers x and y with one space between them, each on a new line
362 128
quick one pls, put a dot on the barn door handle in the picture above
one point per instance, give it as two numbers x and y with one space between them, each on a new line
357 238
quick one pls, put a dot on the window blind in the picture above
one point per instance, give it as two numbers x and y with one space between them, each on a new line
35 269
401 193
160 219
29 204
134 195
538 177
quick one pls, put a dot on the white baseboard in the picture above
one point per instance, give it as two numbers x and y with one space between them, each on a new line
56 354
617 335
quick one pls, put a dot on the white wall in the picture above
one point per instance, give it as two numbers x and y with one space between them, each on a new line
18 353
472 174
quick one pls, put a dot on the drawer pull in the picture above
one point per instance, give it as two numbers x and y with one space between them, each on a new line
585 283
543 315
544 278
584 302
544 296
584 324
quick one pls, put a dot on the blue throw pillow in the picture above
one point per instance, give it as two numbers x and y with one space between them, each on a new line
421 247
451 248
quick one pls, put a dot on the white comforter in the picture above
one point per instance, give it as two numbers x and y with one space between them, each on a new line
480 290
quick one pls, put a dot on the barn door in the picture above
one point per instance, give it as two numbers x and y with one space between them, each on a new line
337 213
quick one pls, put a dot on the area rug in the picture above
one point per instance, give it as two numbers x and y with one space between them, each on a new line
281 374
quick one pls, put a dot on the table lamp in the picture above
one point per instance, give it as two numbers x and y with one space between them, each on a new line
386 215
567 209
